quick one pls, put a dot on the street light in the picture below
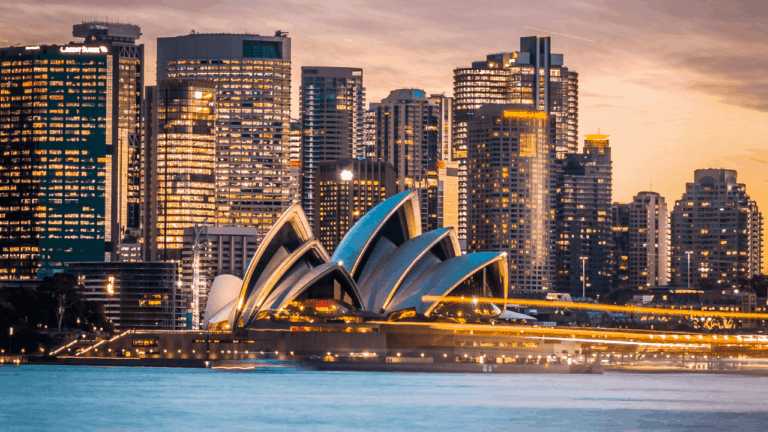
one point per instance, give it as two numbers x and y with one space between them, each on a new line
10 333
584 276
689 267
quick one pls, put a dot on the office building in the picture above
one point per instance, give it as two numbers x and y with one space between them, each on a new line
346 190
408 126
253 84
583 220
532 76
369 131
511 184
448 195
124 162
332 122
135 295
180 164
68 143
210 251
721 227
621 246
294 158
445 124
648 241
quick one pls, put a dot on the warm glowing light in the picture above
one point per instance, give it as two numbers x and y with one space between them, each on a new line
83 50
526 114
603 307
346 175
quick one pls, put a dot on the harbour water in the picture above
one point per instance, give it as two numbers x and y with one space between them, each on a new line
68 398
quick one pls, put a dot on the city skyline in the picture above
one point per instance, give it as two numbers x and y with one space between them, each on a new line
648 64
448 202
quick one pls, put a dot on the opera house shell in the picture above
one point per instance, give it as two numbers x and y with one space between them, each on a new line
384 269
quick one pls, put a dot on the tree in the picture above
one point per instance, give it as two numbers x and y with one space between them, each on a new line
61 290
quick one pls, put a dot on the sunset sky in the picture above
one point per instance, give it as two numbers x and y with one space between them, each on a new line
678 85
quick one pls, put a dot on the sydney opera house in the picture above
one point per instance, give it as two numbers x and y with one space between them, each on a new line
383 269
389 297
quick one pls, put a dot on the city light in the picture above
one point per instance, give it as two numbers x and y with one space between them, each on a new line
346 175
603 307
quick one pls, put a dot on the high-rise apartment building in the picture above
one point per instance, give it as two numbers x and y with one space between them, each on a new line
408 135
532 76
511 182
369 132
445 132
448 195
180 164
621 248
68 148
720 226
583 220
253 84
346 190
332 122
648 241
294 158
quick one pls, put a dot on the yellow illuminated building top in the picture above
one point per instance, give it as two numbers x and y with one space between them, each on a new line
596 140
526 114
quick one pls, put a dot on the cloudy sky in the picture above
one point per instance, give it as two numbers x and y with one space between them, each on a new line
679 85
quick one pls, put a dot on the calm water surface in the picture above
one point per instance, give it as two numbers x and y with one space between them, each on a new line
64 398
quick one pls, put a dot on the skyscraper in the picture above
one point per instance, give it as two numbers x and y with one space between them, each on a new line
531 76
448 195
124 161
511 185
68 143
621 245
332 122
345 191
408 125
584 220
648 241
369 131
444 132
253 83
721 227
294 159
180 173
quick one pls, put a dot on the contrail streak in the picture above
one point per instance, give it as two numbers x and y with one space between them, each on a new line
560 34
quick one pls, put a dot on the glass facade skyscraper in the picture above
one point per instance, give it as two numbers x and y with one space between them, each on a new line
332 122
124 158
532 76
253 84
511 181
68 134
180 160
408 135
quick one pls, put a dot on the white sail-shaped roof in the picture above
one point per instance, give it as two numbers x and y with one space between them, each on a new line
280 298
440 280
289 232
378 286
398 219
224 290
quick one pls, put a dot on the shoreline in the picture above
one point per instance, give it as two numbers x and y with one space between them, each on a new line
369 366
